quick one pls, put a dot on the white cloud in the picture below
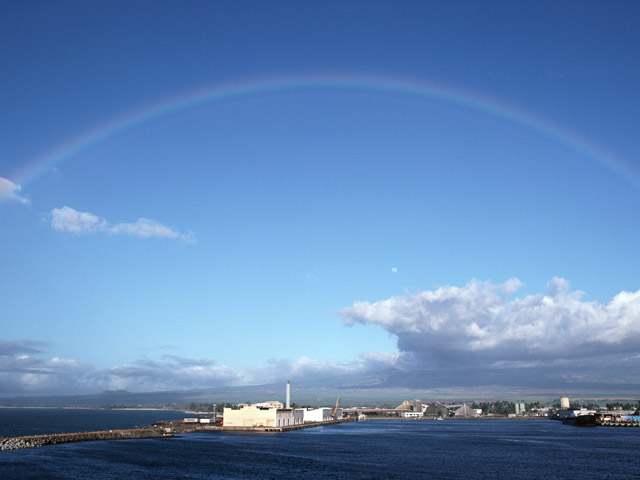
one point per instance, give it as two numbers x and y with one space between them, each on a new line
145 228
10 191
477 335
23 371
69 220
477 328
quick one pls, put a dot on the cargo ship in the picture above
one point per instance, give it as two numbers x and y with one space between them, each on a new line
580 421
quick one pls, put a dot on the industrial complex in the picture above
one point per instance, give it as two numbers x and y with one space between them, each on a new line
273 414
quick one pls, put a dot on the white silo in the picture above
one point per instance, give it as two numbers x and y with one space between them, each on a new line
564 403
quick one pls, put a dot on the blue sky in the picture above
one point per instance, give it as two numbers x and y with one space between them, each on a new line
400 194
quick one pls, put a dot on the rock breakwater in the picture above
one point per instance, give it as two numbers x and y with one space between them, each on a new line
16 443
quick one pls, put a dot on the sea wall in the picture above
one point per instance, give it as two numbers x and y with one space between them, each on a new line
54 439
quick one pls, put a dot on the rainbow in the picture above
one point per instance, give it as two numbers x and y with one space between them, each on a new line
37 167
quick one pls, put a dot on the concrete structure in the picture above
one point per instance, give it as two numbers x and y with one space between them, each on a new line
322 414
564 403
520 408
262 415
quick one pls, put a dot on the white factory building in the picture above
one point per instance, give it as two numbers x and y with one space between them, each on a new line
267 414
274 414
262 415
323 414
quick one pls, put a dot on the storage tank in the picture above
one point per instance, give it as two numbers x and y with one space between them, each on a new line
564 403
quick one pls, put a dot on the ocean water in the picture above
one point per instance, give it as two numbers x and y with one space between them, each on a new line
18 422
374 449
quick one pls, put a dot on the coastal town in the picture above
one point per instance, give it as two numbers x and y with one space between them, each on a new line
276 416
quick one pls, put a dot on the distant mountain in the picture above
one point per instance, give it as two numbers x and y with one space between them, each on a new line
122 398
301 394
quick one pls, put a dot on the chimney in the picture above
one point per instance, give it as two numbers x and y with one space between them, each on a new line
288 399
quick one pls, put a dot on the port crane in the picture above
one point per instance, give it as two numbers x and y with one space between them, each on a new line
334 410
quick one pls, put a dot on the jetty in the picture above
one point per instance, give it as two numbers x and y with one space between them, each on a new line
165 429
31 441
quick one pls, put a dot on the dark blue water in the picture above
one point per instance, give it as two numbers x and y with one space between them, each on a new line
18 422
389 449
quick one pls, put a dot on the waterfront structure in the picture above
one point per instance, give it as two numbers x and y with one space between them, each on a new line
465 411
411 406
322 414
266 414
436 409
564 403
262 415
520 408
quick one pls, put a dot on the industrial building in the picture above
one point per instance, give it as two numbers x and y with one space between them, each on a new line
466 411
323 414
262 415
436 410
271 414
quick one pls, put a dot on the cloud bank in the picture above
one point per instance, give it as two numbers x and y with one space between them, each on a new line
67 219
24 372
11 192
476 334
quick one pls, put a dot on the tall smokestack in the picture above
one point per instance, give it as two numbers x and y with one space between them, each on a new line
288 399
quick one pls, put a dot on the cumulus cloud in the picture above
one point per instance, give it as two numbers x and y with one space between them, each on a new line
30 374
477 333
10 191
68 219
